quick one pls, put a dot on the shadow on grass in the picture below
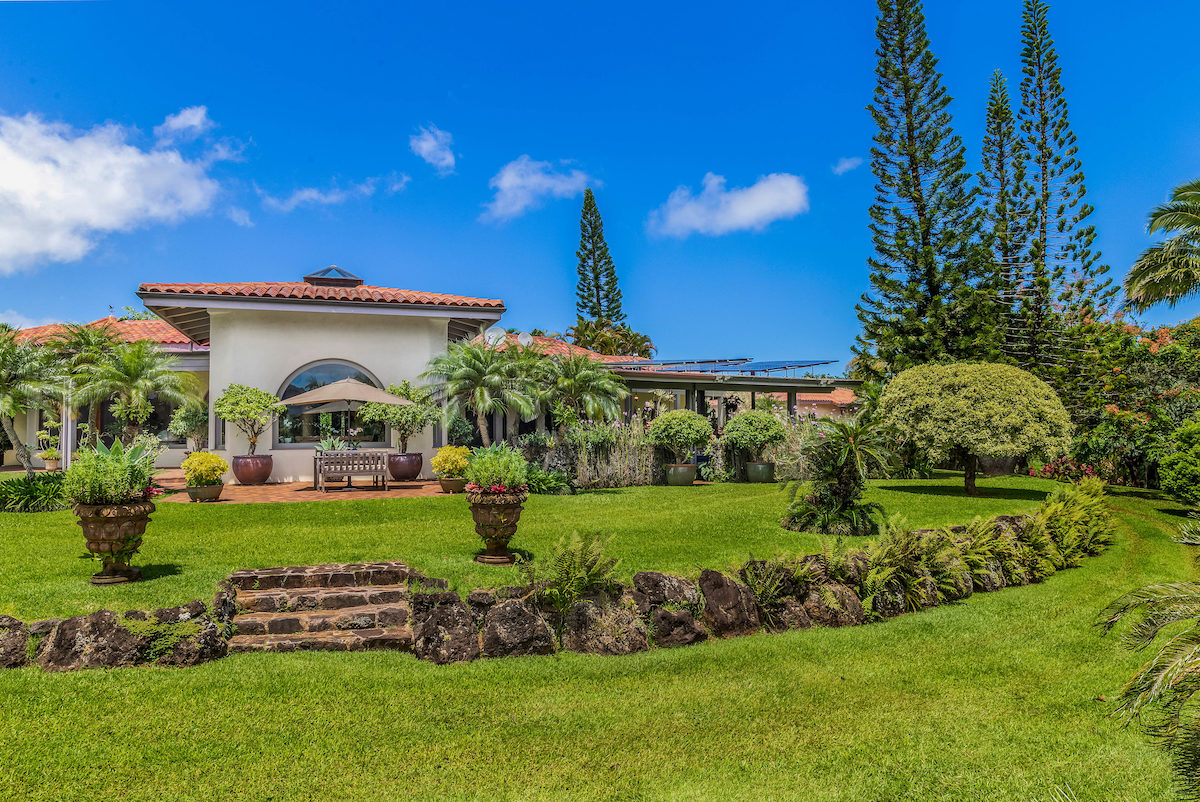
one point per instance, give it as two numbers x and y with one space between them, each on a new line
151 572
958 492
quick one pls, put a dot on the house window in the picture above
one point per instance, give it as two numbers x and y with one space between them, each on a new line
337 419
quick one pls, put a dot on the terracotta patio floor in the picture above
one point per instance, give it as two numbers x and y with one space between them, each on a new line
172 479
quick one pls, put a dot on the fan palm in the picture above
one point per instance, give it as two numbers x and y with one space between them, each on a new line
480 377
79 348
1170 270
1162 695
587 387
130 377
27 373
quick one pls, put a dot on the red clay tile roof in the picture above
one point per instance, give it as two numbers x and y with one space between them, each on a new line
128 330
553 346
301 291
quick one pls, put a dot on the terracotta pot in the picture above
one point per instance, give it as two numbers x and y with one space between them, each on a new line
450 485
253 469
496 516
405 467
681 475
760 471
205 492
52 464
114 533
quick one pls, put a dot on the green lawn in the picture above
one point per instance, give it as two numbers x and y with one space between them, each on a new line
991 699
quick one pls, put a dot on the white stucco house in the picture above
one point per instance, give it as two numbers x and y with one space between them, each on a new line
289 337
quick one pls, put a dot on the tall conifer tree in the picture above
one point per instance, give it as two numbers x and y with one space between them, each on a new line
1005 216
1065 285
930 297
599 296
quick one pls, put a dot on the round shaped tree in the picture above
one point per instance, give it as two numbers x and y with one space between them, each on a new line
754 430
973 410
681 432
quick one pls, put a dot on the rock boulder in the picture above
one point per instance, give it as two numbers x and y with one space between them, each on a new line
729 606
676 628
513 628
443 628
833 605
14 642
660 589
90 641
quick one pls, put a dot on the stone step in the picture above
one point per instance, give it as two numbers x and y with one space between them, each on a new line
331 575
349 640
275 600
371 616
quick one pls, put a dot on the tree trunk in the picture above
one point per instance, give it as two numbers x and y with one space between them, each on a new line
22 453
481 422
513 426
970 462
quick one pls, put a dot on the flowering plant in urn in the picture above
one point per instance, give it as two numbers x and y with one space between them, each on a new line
497 488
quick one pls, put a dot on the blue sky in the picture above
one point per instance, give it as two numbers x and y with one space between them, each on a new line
303 154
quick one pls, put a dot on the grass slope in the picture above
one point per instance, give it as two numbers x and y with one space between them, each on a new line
990 699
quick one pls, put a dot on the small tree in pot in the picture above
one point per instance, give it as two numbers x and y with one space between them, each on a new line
202 472
450 463
753 431
252 411
406 421
190 422
110 491
681 432
497 489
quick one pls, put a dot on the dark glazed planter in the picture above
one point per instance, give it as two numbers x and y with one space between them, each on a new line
205 492
405 467
681 475
253 469
496 516
450 485
760 472
114 534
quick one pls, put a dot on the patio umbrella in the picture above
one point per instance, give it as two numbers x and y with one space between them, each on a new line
334 406
345 390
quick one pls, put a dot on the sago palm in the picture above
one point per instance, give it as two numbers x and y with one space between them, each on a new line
132 375
480 377
1170 270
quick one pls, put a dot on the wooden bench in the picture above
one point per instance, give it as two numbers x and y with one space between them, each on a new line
349 464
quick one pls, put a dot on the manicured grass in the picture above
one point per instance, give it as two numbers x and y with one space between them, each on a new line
994 698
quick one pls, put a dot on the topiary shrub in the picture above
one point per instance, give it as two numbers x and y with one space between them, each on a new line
451 461
203 469
972 410
753 431
681 432
249 409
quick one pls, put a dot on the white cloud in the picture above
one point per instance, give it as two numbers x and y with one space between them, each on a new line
433 145
398 182
716 210
19 321
187 124
239 216
61 189
846 164
522 184
311 196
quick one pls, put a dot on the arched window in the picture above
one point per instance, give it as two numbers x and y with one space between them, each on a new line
328 420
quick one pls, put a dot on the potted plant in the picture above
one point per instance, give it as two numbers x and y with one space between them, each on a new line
202 473
450 463
681 432
496 490
406 422
753 431
252 411
109 489
190 422
48 439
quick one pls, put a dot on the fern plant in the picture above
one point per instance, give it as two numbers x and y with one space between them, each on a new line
570 571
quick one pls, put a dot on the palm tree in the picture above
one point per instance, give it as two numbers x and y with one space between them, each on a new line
587 387
80 348
606 337
133 374
480 377
27 372
1170 270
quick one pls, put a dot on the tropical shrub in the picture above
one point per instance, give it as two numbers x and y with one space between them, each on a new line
972 410
497 469
547 482
460 432
627 461
1179 470
202 469
406 420
681 432
571 570
840 456
753 431
1068 469
190 422
42 492
111 475
249 409
451 461
332 444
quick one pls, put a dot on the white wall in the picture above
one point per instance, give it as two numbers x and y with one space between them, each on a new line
263 348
